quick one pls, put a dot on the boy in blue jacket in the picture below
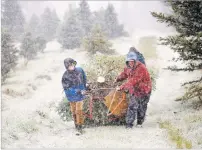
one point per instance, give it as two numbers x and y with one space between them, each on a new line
74 85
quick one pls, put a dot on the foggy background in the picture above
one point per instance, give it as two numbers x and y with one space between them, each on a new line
135 15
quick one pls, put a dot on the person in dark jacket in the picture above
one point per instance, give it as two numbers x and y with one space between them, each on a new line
74 85
139 88
140 57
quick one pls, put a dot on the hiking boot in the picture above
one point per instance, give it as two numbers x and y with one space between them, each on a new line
139 126
129 126
79 129
139 123
76 126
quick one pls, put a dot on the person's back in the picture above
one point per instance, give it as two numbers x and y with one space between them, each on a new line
140 57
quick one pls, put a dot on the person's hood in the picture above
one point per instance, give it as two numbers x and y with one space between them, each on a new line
131 56
68 62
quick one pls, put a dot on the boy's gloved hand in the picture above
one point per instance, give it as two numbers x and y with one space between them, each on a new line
88 87
78 91
83 92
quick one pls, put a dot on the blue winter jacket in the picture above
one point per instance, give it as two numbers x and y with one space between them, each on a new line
73 83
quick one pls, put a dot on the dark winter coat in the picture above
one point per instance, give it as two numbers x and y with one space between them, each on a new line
73 82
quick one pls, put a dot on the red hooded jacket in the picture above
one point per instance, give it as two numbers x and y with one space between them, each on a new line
138 80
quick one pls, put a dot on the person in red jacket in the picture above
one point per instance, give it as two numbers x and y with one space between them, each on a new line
139 87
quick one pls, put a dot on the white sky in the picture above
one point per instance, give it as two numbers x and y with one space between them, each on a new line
135 15
62 6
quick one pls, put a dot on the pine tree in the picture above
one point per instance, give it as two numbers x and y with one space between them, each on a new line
84 16
97 42
28 49
186 18
70 33
34 25
46 25
99 19
12 18
112 26
68 12
55 22
8 54
40 44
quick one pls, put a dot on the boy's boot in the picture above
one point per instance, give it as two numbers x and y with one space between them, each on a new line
79 130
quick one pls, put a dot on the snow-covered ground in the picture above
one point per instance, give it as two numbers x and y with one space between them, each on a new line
29 97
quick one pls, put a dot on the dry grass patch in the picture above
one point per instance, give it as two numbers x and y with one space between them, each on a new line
176 136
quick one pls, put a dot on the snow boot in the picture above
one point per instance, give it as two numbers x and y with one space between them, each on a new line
139 123
79 130
129 126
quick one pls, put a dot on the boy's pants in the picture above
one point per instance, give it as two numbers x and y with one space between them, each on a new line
77 113
137 107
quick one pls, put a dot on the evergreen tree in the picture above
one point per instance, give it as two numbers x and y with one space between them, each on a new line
84 16
55 22
40 44
112 26
28 49
34 25
8 54
46 25
70 33
97 42
68 12
99 19
186 18
12 18
49 24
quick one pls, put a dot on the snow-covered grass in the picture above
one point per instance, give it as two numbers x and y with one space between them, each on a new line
33 92
168 89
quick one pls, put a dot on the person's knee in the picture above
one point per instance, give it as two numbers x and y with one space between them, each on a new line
133 105
79 112
79 105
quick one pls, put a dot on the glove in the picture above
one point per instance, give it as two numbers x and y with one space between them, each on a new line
88 87
119 88
126 90
83 92
78 91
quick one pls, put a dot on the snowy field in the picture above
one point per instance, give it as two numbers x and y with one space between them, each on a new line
29 97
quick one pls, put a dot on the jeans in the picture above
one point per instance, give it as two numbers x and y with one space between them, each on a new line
137 107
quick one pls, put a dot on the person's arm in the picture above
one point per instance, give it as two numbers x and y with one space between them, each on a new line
84 78
122 76
65 81
138 77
